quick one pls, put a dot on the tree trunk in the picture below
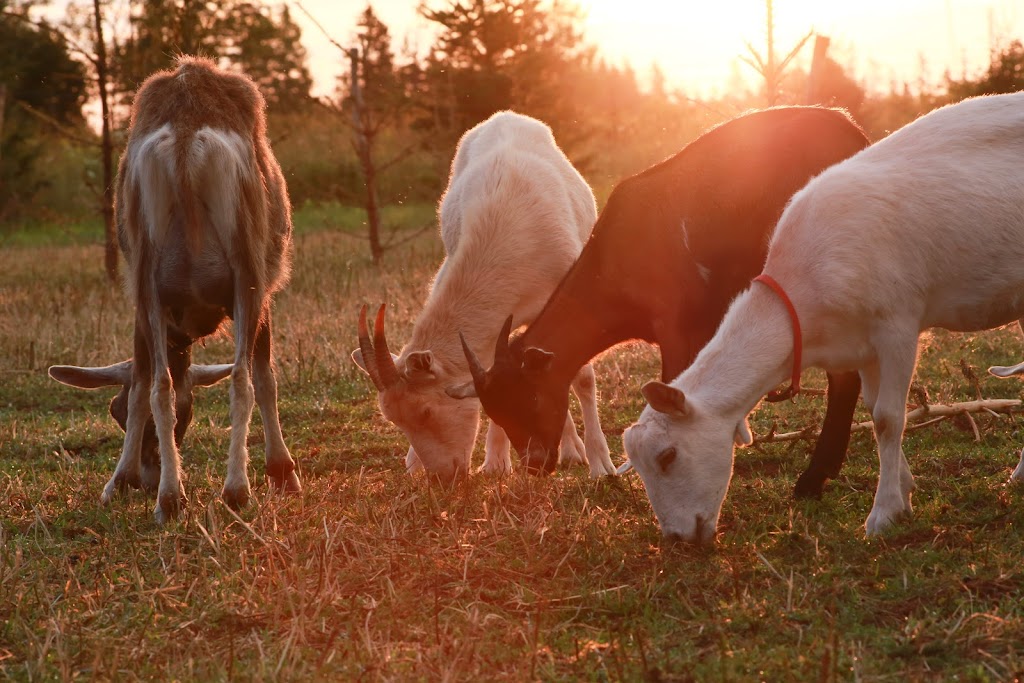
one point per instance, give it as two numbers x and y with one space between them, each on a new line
107 149
364 149
3 104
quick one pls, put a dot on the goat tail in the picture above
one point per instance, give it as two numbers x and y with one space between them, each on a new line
231 187
186 195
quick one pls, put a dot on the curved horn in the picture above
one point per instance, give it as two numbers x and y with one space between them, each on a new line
501 346
366 348
117 374
475 369
382 356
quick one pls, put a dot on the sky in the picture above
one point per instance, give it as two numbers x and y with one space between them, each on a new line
697 44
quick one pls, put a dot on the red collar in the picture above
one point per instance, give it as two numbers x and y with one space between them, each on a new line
794 387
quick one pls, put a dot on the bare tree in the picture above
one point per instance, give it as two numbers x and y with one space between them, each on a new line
376 102
106 146
364 131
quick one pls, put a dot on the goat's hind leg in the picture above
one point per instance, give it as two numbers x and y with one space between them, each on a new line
834 440
127 471
170 493
1009 371
280 466
248 304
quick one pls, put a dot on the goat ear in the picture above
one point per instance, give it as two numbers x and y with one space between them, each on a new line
665 398
743 437
116 375
208 375
419 365
1006 371
357 358
467 390
537 360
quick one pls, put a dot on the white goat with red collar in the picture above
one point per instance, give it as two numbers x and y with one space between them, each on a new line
923 229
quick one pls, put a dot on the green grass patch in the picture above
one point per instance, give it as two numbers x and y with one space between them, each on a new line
371 574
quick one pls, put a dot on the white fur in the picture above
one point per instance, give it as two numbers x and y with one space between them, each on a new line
513 220
923 229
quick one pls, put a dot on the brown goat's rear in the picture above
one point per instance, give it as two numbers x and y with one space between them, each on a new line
205 226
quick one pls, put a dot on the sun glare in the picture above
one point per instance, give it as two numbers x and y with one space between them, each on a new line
699 43
695 42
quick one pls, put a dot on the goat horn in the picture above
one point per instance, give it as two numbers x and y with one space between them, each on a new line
501 346
385 363
366 349
475 368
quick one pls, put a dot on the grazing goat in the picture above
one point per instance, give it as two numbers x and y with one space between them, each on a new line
513 219
205 226
923 229
672 247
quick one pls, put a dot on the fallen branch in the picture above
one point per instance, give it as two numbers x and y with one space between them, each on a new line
932 414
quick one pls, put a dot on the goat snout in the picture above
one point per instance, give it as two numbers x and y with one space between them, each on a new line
449 475
703 535
540 461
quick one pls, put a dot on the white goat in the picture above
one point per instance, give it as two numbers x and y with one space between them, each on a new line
205 225
923 229
513 220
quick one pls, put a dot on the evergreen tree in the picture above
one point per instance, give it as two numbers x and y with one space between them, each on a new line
41 89
504 54
249 36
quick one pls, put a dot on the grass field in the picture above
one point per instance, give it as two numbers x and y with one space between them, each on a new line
370 574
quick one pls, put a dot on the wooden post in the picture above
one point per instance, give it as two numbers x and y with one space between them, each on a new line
817 64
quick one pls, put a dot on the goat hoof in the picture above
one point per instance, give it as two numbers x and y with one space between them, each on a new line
118 484
236 498
168 507
288 484
282 475
495 469
809 487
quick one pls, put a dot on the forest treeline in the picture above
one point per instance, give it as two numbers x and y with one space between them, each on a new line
405 111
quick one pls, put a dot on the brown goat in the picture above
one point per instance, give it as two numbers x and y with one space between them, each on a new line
204 223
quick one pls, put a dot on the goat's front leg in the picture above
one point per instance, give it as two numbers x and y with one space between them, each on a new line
571 450
584 385
830 450
886 389
280 466
497 451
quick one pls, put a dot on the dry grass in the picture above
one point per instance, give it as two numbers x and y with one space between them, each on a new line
372 575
